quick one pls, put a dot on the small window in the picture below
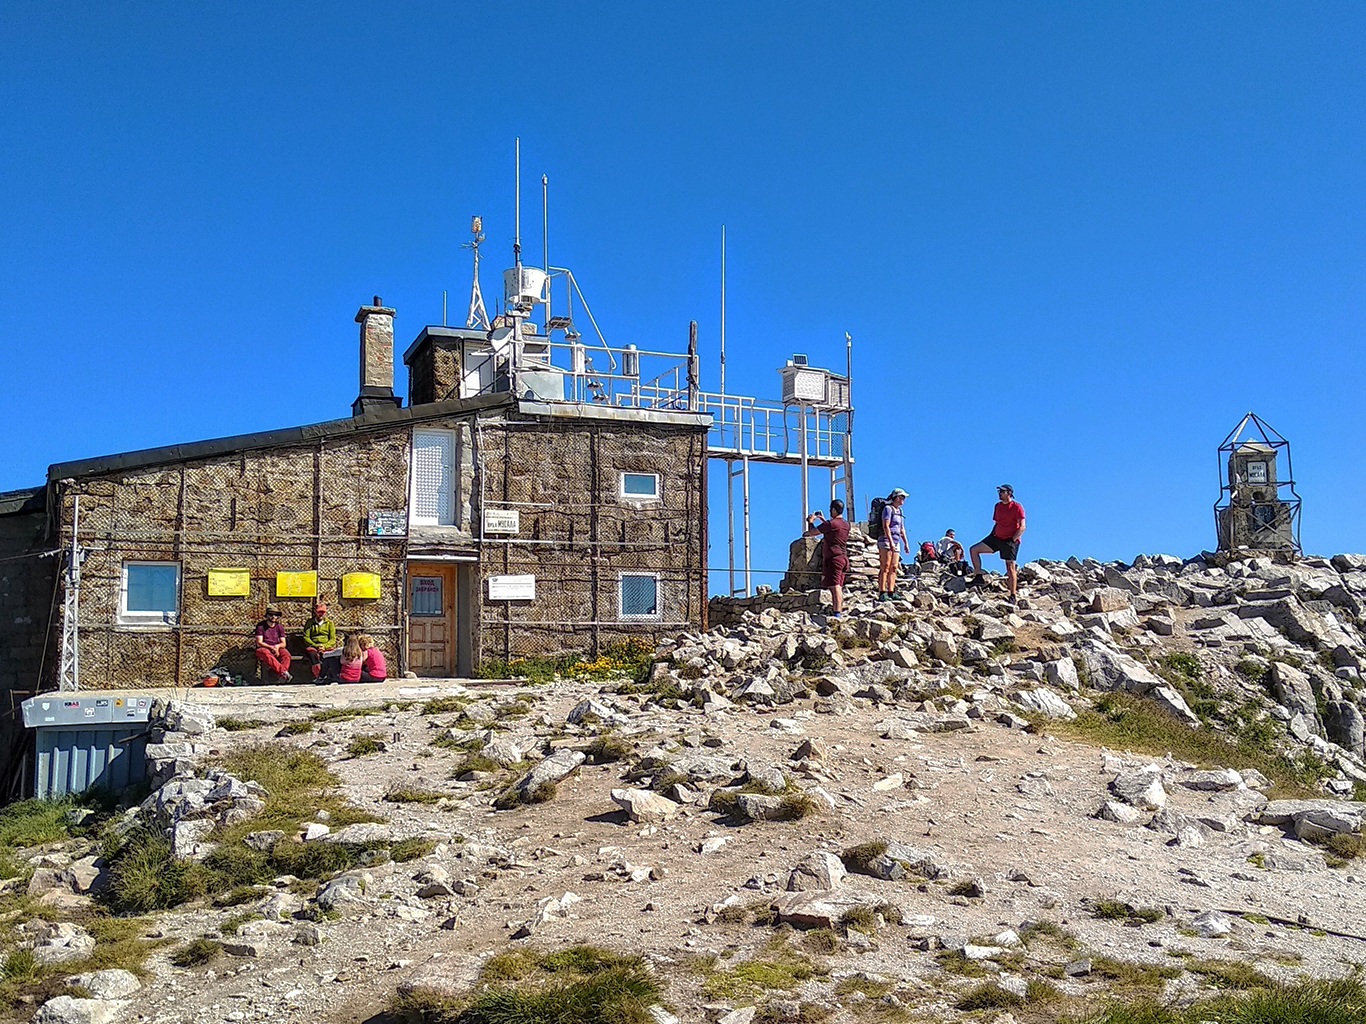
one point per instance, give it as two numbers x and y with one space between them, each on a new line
640 486
150 593
428 599
639 598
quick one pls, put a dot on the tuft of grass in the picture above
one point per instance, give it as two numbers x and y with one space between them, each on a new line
1230 974
344 714
861 858
1184 665
1111 910
475 763
870 988
364 744
231 724
1340 1001
197 953
515 796
989 996
34 822
231 924
796 806
752 977
607 749
411 795
860 919
296 728
821 940
444 705
411 849
20 965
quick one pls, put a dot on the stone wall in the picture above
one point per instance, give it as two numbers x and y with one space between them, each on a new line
578 534
804 562
434 372
26 582
283 509
730 611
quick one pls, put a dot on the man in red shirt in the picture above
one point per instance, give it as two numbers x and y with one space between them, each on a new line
834 551
1004 537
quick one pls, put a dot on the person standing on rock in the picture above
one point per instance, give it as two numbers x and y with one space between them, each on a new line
890 545
834 533
1004 538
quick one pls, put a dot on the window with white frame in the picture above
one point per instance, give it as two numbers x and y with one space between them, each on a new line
150 593
638 596
432 498
640 486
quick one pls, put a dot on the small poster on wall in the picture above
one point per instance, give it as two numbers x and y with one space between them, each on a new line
512 588
296 584
360 585
229 582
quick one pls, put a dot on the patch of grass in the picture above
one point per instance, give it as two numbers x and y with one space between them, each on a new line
954 962
1187 666
1252 671
197 953
364 744
860 919
475 763
237 896
515 796
1125 975
964 888
444 705
1040 993
821 940
411 795
1123 720
870 988
607 749
231 724
1110 910
748 979
579 984
344 714
1342 848
34 822
1230 974
989 996
1306 1002
796 806
411 849
296 728
20 965
538 670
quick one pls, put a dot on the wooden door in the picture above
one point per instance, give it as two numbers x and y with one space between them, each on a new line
431 620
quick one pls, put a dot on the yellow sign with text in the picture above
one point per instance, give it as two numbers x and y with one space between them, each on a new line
296 584
229 582
360 585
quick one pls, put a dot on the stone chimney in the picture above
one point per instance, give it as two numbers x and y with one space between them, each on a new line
376 359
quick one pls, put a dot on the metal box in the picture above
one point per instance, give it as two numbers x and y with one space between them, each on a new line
87 741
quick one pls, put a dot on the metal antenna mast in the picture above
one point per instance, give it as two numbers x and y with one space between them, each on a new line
478 315
70 674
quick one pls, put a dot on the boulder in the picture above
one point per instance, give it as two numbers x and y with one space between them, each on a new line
191 719
1045 702
1110 599
68 1010
108 984
641 805
1141 789
818 870
1113 670
1213 925
1293 689
1175 704
1220 780
1121 814
1345 726
1063 673
553 769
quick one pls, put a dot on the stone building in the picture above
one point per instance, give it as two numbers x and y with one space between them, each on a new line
473 525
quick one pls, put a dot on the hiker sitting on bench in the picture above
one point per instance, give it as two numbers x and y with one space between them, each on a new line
270 645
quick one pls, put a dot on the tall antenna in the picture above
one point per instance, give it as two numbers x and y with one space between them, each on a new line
723 314
478 315
545 245
69 675
517 215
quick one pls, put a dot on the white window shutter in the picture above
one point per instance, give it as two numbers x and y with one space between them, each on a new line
433 501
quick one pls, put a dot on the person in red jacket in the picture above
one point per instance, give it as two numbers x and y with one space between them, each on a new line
1004 538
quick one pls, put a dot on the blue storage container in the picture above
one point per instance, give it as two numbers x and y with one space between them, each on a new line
86 740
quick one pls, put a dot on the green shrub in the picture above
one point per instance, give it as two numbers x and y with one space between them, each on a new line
364 744
20 965
411 795
608 748
34 822
197 953
989 996
296 728
861 858
411 849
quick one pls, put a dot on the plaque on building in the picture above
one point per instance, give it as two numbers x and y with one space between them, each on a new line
512 588
296 584
497 520
387 523
361 586
229 582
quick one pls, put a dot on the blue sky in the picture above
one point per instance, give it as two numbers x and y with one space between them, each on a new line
1074 242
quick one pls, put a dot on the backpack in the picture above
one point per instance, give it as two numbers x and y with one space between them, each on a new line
875 517
927 552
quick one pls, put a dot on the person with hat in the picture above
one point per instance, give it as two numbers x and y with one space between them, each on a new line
1004 538
320 637
270 645
891 543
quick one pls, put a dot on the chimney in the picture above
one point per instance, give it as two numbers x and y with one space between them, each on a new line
376 359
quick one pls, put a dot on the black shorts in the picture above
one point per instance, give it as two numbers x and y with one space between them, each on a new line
1003 546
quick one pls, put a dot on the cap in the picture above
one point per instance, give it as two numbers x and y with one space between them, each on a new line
272 610
897 492
1006 487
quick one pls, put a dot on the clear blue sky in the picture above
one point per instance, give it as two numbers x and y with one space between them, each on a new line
1074 242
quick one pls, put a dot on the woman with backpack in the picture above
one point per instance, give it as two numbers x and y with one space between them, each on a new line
891 541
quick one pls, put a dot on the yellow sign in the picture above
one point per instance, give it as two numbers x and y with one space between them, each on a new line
296 584
229 582
360 585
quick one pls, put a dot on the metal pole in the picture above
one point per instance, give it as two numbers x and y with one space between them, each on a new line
730 522
723 312
517 215
801 410
849 425
748 588
545 246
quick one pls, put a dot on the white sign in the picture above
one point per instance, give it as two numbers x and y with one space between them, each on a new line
512 588
1256 472
498 520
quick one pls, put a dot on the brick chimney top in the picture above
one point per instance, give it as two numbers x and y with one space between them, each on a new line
376 359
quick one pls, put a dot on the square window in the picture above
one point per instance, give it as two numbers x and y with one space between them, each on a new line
639 596
150 593
640 486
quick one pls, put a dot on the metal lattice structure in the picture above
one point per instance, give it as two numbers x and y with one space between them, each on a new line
1258 507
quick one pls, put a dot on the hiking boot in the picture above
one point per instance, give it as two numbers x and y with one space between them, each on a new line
285 677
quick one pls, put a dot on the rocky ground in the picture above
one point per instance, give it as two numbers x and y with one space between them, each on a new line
1138 779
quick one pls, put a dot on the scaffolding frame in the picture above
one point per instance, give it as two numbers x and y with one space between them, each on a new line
1252 429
